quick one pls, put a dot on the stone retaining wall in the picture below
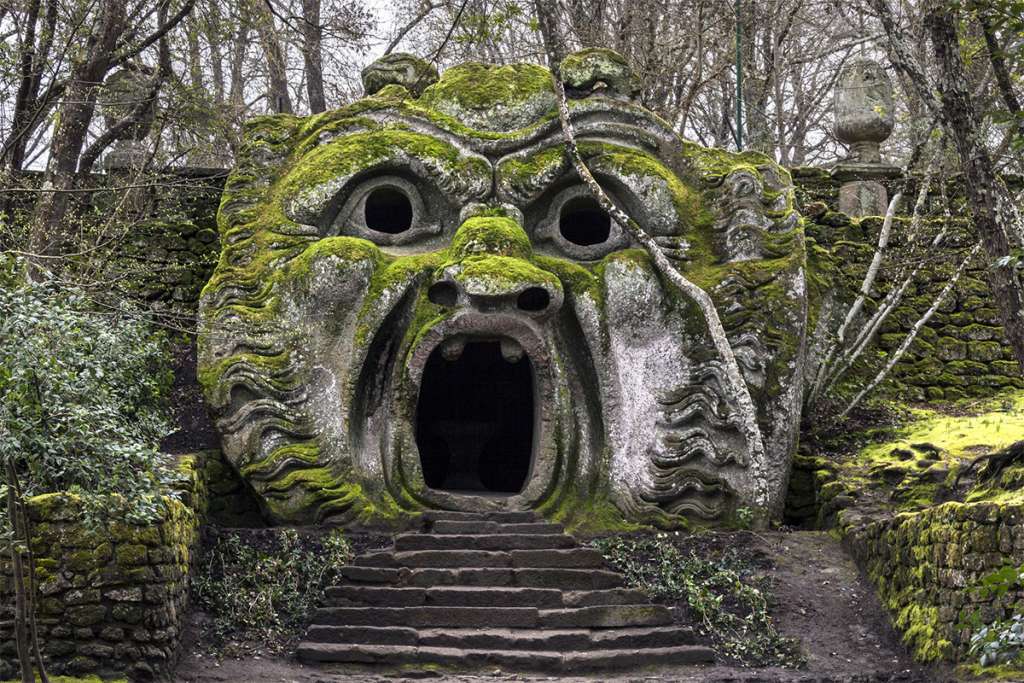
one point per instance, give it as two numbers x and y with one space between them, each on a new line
961 351
928 569
111 600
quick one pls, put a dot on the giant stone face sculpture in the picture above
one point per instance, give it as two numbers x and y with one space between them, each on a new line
418 305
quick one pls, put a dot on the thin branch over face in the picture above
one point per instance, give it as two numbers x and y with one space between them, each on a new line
737 385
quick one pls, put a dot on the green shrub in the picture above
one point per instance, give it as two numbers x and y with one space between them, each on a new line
729 603
262 586
82 400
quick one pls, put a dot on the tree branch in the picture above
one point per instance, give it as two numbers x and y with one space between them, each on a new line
734 378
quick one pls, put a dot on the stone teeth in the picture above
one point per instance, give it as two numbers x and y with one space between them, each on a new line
452 349
511 350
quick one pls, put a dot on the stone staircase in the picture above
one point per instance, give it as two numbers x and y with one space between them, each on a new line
499 589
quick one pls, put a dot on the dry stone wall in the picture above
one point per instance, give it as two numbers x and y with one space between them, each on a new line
929 568
111 600
961 351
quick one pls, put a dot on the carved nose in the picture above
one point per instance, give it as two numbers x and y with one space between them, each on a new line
532 299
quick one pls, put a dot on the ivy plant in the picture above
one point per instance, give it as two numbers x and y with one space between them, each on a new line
82 400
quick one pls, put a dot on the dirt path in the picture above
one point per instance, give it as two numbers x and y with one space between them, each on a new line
821 599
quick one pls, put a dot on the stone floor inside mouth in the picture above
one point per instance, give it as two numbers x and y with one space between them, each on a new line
475 417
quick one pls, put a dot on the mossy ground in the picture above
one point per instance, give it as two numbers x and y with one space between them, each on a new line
914 465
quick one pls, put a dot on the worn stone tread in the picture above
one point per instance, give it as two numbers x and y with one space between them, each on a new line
418 617
611 596
503 517
515 659
572 558
501 542
456 559
606 616
370 635
447 596
454 527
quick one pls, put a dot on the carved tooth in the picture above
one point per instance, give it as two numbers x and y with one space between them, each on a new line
452 349
511 350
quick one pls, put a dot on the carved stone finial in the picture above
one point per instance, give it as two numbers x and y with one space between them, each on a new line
120 95
399 68
864 109
599 68
864 119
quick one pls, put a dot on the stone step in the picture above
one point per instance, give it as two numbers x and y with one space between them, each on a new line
421 617
606 616
407 542
547 661
517 517
562 579
367 635
572 558
450 527
435 558
505 638
451 596
555 639
615 596
568 558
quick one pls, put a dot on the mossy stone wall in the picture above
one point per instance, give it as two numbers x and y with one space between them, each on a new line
961 351
111 600
928 569
161 249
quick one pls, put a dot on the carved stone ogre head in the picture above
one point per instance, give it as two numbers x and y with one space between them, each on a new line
419 305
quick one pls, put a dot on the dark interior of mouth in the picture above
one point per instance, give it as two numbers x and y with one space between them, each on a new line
475 421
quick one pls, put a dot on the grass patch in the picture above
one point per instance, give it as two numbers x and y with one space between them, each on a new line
725 596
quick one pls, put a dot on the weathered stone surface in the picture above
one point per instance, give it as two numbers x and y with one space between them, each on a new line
864 109
464 621
423 244
399 68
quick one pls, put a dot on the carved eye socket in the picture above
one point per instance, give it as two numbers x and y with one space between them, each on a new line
583 222
575 224
388 210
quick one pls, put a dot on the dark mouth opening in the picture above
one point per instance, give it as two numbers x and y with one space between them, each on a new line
475 417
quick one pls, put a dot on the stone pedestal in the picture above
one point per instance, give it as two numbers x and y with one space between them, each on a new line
126 156
862 192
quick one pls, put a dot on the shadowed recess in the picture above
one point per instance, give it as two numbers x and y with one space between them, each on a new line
475 420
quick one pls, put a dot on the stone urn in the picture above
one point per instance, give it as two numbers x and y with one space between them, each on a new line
119 96
864 109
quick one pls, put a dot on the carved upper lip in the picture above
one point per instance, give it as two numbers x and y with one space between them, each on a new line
517 334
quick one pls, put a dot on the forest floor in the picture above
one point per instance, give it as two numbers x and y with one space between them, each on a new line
820 598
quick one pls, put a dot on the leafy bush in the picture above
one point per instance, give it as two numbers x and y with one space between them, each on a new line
729 603
1001 642
82 400
262 586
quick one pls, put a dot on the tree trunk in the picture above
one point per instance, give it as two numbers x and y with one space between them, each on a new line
1001 72
21 643
996 220
49 232
312 57
277 77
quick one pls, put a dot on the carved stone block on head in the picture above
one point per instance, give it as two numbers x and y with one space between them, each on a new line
419 305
